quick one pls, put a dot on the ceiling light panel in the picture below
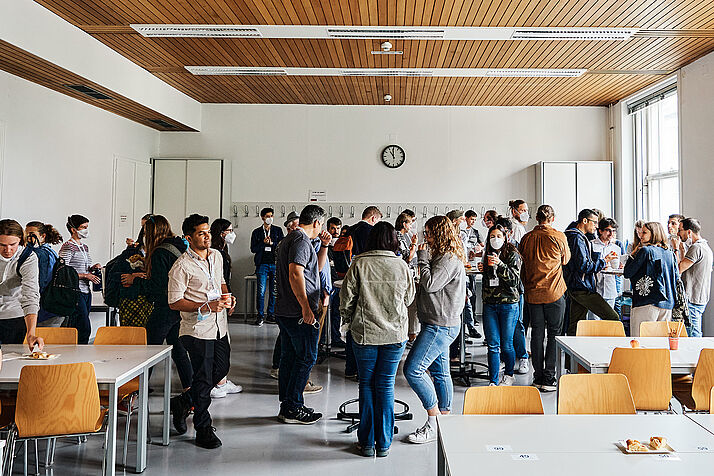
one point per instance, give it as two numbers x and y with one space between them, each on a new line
559 34
234 71
198 31
386 72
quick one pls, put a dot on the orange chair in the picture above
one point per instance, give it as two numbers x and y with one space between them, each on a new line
123 335
648 373
502 401
696 394
57 335
594 394
662 328
598 328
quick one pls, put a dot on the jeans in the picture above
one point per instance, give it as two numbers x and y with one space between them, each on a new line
335 318
161 326
210 360
545 316
13 331
266 275
350 361
431 352
298 345
277 350
583 301
499 323
377 368
695 319
519 333
80 319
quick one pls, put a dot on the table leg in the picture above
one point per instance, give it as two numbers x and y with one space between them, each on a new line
559 371
141 427
245 301
440 459
167 399
110 450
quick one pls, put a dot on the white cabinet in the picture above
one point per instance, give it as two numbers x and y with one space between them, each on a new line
571 186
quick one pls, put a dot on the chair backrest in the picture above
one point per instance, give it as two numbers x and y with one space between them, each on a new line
590 394
600 328
711 400
649 374
502 401
57 400
662 328
703 380
57 335
123 335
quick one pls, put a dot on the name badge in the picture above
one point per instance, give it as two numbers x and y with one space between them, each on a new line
268 248
213 295
493 282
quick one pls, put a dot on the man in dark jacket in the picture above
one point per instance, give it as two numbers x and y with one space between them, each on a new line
263 242
360 231
580 273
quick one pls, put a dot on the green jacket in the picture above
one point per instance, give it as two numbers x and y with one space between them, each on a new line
508 272
374 297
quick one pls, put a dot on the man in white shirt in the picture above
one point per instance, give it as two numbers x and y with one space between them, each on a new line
606 284
695 267
197 289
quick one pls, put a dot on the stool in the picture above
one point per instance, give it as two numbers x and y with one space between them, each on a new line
353 417
250 288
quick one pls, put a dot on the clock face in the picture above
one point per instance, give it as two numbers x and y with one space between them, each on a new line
393 156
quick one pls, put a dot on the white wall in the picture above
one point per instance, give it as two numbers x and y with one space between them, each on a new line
59 157
276 153
696 96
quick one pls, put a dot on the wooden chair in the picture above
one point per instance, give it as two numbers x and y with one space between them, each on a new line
648 373
55 401
711 400
662 328
594 394
502 401
600 328
57 335
696 395
123 335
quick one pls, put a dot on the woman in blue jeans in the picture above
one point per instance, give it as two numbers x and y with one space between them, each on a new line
441 295
501 267
374 297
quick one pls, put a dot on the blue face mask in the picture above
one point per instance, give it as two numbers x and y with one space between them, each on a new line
201 316
185 241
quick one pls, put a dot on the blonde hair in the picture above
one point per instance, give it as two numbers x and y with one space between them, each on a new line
445 236
659 237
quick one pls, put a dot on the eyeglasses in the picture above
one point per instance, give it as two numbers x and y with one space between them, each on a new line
592 221
315 324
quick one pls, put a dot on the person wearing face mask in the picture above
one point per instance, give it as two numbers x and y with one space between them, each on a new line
519 218
263 242
334 228
222 235
501 267
695 266
674 241
41 236
581 270
76 254
19 288
197 289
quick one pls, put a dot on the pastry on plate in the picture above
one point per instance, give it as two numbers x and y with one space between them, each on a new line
636 447
657 442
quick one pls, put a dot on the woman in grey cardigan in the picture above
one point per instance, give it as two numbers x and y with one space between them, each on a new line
374 297
440 300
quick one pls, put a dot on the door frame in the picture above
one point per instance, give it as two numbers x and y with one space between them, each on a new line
117 159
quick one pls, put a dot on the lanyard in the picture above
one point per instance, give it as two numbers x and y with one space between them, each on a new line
208 273
267 232
84 253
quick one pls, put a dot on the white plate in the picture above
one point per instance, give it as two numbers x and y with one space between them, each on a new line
49 357
666 449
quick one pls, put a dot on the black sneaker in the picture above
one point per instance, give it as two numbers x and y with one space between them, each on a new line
300 416
270 319
382 453
180 408
206 438
259 322
549 386
474 333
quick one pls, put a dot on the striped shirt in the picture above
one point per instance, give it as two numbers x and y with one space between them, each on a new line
77 256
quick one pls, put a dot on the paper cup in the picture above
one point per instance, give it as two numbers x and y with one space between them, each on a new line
673 343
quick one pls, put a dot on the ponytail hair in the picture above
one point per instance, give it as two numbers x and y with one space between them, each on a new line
545 213
514 204
52 236
75 221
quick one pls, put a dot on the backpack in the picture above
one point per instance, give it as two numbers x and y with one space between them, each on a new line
113 284
62 293
342 256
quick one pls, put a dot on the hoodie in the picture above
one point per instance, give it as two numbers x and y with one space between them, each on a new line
584 263
19 294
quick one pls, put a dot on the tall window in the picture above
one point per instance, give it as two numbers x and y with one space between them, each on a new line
656 135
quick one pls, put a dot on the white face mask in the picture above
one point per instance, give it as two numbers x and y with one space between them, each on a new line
230 238
689 241
84 234
269 221
524 217
497 243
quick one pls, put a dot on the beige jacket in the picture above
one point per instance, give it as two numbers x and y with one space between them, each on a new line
374 297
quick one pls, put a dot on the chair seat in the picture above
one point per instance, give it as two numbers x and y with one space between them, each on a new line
125 391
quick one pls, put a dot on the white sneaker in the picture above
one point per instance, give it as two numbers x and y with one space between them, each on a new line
507 380
425 434
522 366
218 392
230 387
274 373
492 385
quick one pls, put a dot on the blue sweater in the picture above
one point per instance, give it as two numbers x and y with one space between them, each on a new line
584 263
664 277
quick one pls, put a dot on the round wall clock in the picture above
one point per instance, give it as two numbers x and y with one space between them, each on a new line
393 156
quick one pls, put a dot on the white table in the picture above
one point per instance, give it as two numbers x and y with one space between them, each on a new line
564 442
705 420
114 366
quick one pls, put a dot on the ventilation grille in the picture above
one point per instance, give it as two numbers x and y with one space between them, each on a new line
235 71
402 73
87 91
162 123
573 34
535 73
380 52
386 33
198 31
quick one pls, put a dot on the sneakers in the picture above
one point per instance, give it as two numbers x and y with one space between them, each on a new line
522 366
537 384
474 333
270 319
300 416
230 387
259 322
383 453
274 373
218 392
352 377
311 388
206 438
507 380
365 451
180 408
491 384
549 386
425 434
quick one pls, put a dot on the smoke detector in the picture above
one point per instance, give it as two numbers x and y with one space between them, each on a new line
386 46
387 97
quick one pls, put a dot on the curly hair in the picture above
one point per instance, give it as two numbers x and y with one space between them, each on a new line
446 237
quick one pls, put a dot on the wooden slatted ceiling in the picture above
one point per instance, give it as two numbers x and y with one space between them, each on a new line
675 32
33 68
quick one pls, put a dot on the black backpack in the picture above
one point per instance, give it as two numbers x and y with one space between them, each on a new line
113 284
62 293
